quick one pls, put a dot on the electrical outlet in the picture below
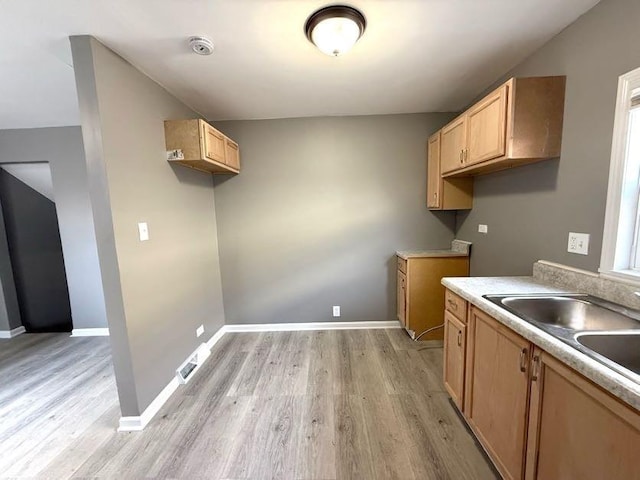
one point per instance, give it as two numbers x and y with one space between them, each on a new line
336 310
199 330
578 243
483 228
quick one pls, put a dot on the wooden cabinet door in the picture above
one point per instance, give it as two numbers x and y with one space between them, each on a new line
214 143
486 128
232 154
402 298
576 430
434 180
452 145
454 357
498 397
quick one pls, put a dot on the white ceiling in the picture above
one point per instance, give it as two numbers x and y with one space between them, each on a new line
416 55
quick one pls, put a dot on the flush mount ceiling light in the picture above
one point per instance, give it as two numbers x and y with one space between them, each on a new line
335 29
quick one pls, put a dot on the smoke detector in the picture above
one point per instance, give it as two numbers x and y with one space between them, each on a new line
201 45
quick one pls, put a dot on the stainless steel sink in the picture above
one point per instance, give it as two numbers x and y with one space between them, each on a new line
621 348
605 331
575 313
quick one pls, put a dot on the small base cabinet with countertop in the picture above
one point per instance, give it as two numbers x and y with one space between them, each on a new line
536 417
420 294
201 147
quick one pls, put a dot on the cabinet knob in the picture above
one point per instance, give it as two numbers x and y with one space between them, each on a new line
523 360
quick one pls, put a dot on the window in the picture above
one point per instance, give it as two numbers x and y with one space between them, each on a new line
621 240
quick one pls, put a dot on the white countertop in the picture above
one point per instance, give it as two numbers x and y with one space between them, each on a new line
473 288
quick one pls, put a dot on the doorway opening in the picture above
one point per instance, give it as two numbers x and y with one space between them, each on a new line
33 248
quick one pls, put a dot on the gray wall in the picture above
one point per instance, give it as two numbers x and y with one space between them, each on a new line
315 216
531 210
62 148
9 309
157 292
35 248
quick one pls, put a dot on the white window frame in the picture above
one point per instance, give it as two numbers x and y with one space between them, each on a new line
617 259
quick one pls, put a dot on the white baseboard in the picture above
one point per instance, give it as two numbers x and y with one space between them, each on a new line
293 327
90 332
12 333
136 424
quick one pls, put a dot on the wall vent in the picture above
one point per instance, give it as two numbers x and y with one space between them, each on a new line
186 371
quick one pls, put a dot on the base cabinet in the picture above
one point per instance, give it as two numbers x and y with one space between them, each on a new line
420 294
577 430
537 418
455 339
498 392
402 298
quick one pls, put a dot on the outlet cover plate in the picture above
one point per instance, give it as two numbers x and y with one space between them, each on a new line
199 330
336 310
578 243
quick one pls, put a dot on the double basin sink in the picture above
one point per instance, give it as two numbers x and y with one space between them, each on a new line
604 331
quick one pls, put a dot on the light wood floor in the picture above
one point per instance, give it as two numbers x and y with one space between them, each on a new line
361 404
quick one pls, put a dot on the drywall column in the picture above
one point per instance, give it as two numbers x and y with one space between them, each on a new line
62 148
159 291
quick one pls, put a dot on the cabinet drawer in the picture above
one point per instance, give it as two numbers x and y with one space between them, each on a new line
402 265
456 305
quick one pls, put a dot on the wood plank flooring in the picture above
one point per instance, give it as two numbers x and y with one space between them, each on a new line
53 389
351 404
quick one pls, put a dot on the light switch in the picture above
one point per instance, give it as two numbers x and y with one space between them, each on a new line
483 228
143 230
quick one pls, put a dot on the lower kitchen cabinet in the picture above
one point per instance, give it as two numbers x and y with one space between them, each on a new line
402 297
537 418
576 430
497 396
420 294
455 340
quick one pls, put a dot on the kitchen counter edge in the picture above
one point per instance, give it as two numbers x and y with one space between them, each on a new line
472 289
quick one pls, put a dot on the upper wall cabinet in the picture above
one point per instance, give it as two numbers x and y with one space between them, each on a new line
203 147
518 123
445 193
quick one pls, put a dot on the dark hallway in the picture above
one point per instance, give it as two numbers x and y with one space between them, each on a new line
35 249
